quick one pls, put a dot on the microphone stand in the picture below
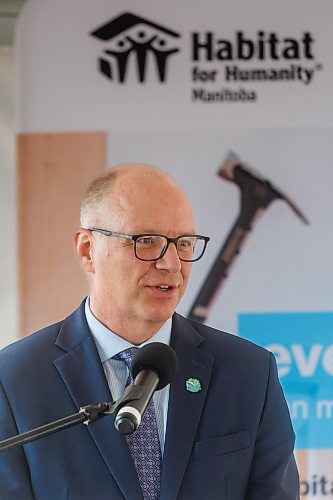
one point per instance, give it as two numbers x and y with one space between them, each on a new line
86 415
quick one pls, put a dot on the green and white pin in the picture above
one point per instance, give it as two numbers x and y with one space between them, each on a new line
193 385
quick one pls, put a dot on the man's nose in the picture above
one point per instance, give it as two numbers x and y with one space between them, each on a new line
170 260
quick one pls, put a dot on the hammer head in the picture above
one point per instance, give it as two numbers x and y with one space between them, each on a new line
253 186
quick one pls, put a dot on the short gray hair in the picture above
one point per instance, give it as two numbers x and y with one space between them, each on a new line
93 206
98 190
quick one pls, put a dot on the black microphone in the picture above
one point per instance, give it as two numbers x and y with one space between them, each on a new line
153 367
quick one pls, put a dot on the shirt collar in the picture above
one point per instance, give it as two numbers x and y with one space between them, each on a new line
109 343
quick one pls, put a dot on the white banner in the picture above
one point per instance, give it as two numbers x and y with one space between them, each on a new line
234 101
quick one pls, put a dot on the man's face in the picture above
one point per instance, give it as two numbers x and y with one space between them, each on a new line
127 293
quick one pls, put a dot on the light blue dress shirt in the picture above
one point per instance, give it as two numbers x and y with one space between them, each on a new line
108 345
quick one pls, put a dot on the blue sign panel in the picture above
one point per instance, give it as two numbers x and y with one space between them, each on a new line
303 346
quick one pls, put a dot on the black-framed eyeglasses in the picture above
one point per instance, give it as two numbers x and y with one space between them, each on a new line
150 247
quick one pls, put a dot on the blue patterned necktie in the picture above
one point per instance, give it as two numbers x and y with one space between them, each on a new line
144 443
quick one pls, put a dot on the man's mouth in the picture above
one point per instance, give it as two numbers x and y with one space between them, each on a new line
164 288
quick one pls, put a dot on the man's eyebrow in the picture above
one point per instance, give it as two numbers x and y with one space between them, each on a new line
155 231
140 230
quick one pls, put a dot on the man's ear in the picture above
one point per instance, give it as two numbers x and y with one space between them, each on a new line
83 246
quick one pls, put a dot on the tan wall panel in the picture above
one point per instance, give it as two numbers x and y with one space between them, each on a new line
302 459
53 173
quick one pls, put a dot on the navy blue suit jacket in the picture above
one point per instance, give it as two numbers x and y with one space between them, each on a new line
232 440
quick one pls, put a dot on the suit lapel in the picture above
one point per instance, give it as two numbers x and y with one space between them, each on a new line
83 375
185 407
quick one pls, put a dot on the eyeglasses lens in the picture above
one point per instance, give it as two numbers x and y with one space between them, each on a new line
150 247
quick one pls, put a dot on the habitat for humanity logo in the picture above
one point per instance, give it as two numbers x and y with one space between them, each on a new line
133 40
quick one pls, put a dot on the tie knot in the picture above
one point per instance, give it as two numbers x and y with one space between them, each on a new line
127 356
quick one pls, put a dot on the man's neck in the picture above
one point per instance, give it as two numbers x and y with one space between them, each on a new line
134 335
134 332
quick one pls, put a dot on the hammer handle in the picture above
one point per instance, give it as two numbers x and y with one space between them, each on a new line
219 271
217 274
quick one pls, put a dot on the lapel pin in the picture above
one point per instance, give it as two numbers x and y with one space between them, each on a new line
193 385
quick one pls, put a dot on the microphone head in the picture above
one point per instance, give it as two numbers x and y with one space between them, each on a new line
158 357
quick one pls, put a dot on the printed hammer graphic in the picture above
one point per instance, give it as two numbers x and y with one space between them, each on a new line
256 195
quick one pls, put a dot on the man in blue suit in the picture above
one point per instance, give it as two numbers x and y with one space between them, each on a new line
223 425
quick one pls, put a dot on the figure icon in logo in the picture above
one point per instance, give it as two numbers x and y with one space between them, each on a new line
135 38
161 57
121 57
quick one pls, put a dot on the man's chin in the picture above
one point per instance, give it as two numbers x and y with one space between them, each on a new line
161 314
